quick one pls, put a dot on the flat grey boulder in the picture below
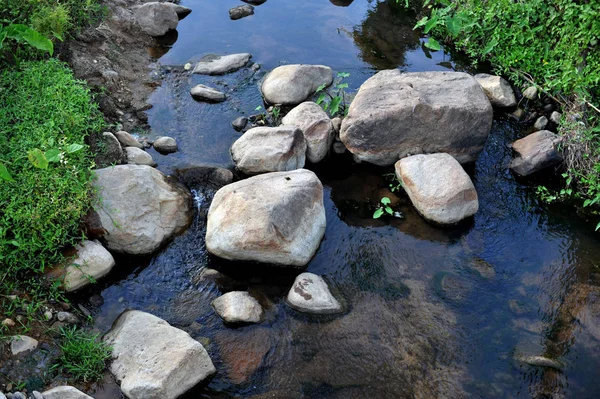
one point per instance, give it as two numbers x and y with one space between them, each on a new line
497 89
292 84
153 360
241 11
276 218
316 126
136 156
438 187
165 145
269 149
397 114
208 94
92 262
21 344
156 18
65 392
535 152
221 64
141 208
127 140
238 307
310 294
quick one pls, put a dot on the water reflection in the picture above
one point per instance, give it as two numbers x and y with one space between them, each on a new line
341 3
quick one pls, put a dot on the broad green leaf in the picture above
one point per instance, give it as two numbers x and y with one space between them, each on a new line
432 44
21 32
378 213
343 75
335 105
432 23
53 155
342 86
321 98
320 88
389 210
37 158
490 46
71 148
421 22
4 174
598 226
385 201
453 25
258 108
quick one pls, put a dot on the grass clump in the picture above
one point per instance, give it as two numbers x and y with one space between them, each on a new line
45 166
84 355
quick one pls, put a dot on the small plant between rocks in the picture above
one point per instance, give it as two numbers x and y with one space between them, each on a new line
334 101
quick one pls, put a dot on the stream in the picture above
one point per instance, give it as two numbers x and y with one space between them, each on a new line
431 312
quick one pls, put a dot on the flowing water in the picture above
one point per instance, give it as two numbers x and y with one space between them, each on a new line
431 312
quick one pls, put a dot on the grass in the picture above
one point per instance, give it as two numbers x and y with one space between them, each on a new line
84 355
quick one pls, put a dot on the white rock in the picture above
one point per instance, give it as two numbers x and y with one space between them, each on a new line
438 187
65 392
165 145
221 64
93 261
135 156
535 152
127 140
141 208
531 93
555 117
153 360
292 84
238 307
275 218
156 18
497 90
269 149
310 294
22 343
316 127
205 93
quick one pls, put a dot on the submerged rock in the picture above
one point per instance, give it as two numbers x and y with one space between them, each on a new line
438 187
65 392
292 84
141 208
542 361
535 152
241 11
316 127
127 140
208 94
497 90
22 343
310 294
153 360
221 64
93 261
156 18
396 114
135 156
275 218
165 145
244 351
238 307
269 149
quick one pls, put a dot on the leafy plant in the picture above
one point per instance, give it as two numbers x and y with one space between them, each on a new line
84 355
394 184
23 34
335 101
384 208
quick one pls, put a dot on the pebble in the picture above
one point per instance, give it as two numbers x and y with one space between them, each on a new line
555 117
541 123
165 145
240 123
48 315
67 317
531 93
8 323
37 395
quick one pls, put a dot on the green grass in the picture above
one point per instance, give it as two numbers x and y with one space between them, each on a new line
84 355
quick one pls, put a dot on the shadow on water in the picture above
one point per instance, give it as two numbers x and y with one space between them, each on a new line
431 312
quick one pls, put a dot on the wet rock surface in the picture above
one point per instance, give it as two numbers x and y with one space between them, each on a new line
310 294
165 145
241 12
208 94
238 307
535 152
221 64
292 84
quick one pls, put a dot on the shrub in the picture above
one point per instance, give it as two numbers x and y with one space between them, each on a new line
84 356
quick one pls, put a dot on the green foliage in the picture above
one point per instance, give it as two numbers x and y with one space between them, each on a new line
45 166
24 34
52 21
394 184
384 208
84 355
334 101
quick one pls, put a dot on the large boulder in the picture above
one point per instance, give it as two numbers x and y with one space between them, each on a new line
310 294
92 261
497 90
275 218
535 152
153 360
221 64
140 208
397 114
292 84
438 187
156 18
269 149
316 127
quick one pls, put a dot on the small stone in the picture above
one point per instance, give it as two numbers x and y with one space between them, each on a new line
310 294
127 140
337 125
548 108
8 323
531 93
67 317
240 123
96 300
221 64
241 12
207 94
555 117
339 147
36 395
48 315
165 145
238 307
22 343
541 123
542 361
65 392
18 395
255 67
135 156
84 310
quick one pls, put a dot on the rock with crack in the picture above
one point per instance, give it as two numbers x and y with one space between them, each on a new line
208 94
310 294
241 11
535 152
156 18
316 126
396 114
65 392
292 84
497 89
153 360
135 156
238 307
221 64
141 208
438 187
91 263
269 149
276 218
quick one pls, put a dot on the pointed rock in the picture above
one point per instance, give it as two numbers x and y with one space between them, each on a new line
310 294
238 307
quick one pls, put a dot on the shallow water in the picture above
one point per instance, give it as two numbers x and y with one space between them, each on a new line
431 312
